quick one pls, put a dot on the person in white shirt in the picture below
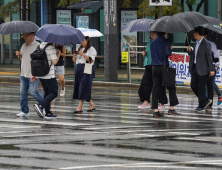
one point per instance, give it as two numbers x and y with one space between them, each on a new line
49 83
83 82
26 85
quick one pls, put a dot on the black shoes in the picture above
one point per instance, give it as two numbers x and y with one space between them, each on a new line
173 112
91 110
78 111
157 114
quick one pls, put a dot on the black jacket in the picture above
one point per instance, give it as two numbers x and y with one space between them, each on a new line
204 62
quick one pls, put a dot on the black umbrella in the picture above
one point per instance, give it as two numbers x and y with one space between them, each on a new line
171 24
214 31
181 22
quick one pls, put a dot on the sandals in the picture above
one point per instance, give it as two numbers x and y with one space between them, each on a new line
78 111
91 110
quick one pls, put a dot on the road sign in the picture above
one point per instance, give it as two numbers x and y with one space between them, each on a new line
160 3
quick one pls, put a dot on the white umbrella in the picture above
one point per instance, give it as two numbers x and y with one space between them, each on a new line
90 32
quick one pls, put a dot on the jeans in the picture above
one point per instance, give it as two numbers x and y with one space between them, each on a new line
25 86
50 88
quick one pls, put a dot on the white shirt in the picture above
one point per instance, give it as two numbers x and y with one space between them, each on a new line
216 52
90 53
51 55
196 49
26 59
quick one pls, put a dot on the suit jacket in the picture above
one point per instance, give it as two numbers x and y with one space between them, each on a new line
204 62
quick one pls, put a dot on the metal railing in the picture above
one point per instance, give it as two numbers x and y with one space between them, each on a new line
129 68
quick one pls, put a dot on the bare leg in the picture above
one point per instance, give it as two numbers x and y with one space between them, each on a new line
80 105
62 81
92 105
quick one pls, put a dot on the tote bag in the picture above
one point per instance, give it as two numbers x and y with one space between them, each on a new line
88 68
168 73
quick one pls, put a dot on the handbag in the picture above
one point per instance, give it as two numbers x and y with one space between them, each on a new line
88 67
168 73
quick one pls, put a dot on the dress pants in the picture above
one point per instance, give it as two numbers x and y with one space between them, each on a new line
198 84
146 87
157 86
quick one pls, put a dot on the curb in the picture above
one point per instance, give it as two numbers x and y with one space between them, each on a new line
180 89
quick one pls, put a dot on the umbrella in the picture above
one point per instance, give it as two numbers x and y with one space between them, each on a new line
214 31
139 25
181 22
16 27
60 34
171 24
90 32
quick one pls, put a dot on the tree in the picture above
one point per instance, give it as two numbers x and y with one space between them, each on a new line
166 10
144 9
13 7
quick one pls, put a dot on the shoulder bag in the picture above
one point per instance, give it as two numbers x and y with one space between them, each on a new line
168 73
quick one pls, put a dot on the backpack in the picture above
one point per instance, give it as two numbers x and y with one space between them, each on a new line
39 62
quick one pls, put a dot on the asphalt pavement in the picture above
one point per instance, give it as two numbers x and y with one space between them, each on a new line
115 136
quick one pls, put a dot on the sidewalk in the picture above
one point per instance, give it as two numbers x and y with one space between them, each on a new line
10 73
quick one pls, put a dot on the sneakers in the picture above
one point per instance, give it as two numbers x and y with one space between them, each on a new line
22 114
208 108
50 116
173 112
157 114
199 110
144 106
62 93
208 103
219 100
39 110
161 106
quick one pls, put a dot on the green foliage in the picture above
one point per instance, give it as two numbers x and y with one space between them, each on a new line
126 3
144 9
9 9
191 2
68 2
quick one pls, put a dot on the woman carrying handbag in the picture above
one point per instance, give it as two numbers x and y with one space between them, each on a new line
84 58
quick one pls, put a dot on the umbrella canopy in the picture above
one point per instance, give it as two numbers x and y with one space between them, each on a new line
139 25
60 34
214 31
14 27
90 32
214 25
181 22
194 18
170 24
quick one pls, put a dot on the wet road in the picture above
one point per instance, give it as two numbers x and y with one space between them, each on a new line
116 136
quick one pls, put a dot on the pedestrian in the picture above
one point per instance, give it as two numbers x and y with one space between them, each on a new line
146 85
49 83
60 69
83 82
200 68
211 85
26 85
157 47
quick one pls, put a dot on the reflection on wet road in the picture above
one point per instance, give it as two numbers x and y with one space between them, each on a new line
116 136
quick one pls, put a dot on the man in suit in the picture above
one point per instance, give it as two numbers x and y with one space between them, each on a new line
200 67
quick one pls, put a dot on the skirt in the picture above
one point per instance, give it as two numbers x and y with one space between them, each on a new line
83 84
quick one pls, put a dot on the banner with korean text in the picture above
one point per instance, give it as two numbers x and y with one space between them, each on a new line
180 61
